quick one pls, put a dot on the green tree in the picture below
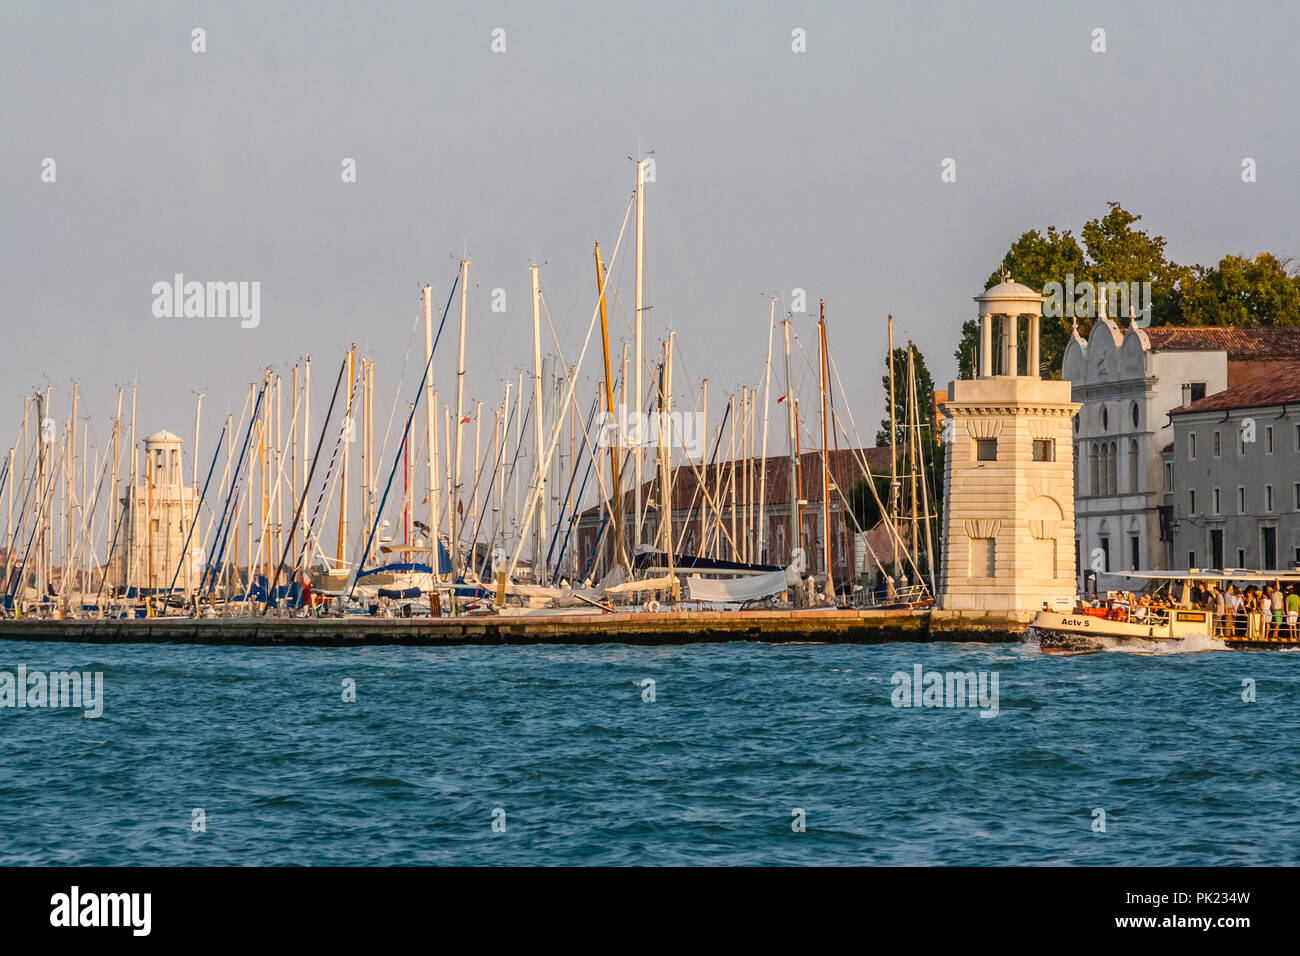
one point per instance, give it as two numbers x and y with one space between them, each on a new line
863 502
1243 292
1113 250
924 398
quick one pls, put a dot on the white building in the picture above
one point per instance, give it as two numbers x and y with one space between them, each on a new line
1128 380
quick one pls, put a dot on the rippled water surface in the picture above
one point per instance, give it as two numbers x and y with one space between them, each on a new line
585 771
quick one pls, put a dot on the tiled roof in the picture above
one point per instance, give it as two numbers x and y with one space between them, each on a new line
845 468
1282 387
1240 343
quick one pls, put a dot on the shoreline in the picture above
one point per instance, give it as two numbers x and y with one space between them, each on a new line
639 629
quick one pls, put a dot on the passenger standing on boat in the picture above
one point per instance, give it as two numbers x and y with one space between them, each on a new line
1233 624
1292 610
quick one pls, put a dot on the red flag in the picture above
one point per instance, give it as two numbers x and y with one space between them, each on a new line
780 400
465 420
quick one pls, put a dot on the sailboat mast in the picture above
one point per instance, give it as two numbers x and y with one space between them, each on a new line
761 547
796 518
539 527
430 429
911 444
826 458
460 413
350 424
665 426
616 498
893 459
639 308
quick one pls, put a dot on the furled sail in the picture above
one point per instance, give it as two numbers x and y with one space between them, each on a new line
739 590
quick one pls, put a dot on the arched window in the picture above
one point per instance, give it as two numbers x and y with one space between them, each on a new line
1134 478
1112 480
1105 418
1135 414
1094 472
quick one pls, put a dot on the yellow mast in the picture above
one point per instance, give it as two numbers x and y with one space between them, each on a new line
616 499
347 439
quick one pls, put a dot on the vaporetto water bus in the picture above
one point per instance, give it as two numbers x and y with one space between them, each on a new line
1123 621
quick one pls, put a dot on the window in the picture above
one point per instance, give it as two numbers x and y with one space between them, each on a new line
1268 439
1297 438
1133 412
1112 476
1218 444
1169 476
1094 471
1216 548
986 449
1191 446
982 558
1297 496
1191 559
1241 443
1198 391
1044 449
1105 553
1215 498
1191 501
1241 557
1105 418
1268 543
1134 552
1268 498
1241 500
1134 484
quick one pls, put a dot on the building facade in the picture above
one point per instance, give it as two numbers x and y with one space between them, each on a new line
1127 381
723 524
1234 476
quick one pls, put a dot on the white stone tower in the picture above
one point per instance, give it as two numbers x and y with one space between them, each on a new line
159 512
1008 536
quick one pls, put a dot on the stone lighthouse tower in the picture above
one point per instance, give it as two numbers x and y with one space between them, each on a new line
159 510
1008 536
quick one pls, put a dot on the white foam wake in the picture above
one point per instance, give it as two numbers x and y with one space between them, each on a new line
1191 644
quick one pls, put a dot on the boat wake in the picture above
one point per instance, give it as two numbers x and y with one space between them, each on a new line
1191 644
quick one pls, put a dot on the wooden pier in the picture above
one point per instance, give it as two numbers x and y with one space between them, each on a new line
668 627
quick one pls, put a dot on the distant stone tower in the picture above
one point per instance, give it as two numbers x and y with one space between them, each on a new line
1008 536
159 511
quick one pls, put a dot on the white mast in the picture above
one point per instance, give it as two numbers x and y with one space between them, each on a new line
796 519
761 554
430 429
640 306
539 528
187 519
460 413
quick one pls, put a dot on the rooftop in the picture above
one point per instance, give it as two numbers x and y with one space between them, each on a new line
1262 342
1282 387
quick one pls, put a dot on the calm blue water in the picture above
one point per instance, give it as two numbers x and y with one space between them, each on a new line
588 773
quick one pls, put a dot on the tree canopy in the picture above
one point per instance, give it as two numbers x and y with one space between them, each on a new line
924 397
1238 291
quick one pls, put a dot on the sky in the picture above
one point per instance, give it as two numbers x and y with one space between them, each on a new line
775 170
